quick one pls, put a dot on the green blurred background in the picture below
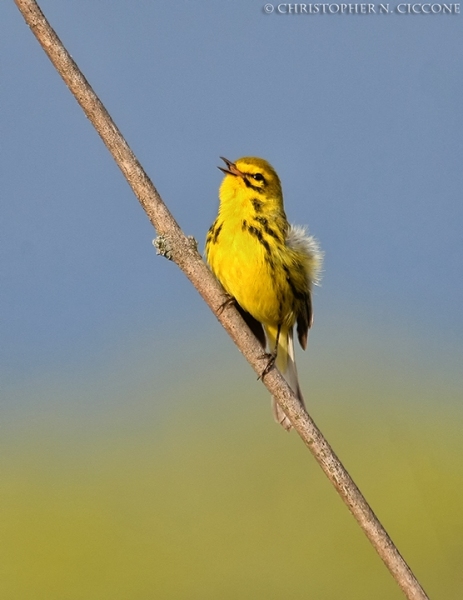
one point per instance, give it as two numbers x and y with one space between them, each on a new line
139 458
140 483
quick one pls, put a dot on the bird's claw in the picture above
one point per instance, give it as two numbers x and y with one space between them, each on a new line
230 301
270 364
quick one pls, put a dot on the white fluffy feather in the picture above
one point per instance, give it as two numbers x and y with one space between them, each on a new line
298 239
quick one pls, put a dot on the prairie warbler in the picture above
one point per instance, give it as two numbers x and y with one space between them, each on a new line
266 265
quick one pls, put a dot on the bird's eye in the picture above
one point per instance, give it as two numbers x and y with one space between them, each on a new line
258 177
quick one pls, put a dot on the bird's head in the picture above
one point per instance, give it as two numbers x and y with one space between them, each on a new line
250 178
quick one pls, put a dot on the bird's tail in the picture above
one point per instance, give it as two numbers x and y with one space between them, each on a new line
286 364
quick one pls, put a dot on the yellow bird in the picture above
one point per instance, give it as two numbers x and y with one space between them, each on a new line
265 264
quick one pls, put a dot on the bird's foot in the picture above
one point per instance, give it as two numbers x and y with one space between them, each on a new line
271 358
230 301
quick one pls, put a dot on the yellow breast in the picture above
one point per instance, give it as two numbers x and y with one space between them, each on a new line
248 267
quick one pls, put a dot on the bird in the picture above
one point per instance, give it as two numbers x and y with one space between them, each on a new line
266 266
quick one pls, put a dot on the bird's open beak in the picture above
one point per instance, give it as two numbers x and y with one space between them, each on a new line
232 170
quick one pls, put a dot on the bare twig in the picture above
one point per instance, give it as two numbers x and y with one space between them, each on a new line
184 253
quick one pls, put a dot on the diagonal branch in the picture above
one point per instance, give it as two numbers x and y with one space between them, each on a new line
183 252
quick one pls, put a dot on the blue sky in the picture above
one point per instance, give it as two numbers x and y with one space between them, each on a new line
360 115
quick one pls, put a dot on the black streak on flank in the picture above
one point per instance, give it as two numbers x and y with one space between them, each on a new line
210 233
258 234
270 262
244 225
296 293
216 234
268 230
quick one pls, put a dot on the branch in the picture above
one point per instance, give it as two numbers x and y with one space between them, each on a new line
183 252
